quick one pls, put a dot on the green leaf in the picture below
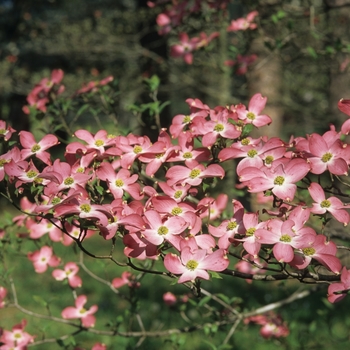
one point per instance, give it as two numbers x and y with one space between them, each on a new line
247 129
204 301
82 109
100 190
40 300
224 298
214 274
311 51
153 82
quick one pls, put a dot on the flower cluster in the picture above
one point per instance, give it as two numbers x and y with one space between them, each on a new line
150 219
272 326
41 94
173 16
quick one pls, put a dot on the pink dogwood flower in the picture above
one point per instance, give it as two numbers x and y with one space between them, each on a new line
194 263
6 131
185 48
70 273
280 180
332 205
325 153
338 291
86 316
243 23
159 230
252 114
193 174
17 339
319 249
31 147
43 258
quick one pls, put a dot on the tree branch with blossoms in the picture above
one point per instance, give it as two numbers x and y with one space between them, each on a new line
103 188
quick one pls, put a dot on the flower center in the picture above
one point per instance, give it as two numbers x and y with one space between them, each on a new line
86 208
163 230
194 173
245 142
137 149
31 174
178 194
252 153
326 157
219 127
119 183
191 265
325 204
309 251
35 148
3 162
176 211
56 200
186 119
279 180
99 143
187 155
68 181
269 159
250 231
286 238
251 116
231 225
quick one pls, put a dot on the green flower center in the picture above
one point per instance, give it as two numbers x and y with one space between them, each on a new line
250 231
191 265
178 194
252 153
159 155
86 208
325 204
231 225
163 230
137 149
3 162
80 170
187 119
326 157
119 183
82 311
99 143
286 238
35 148
309 251
269 159
68 181
251 116
279 180
2 131
56 200
31 174
245 142
194 173
176 211
219 127
187 155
